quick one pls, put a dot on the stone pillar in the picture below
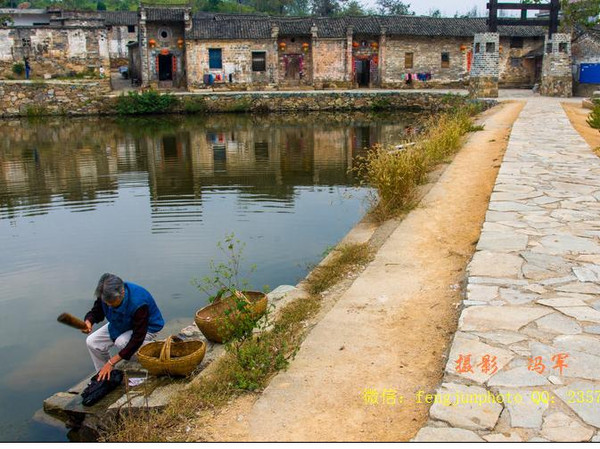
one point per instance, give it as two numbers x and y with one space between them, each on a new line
313 51
188 24
381 56
144 51
485 68
557 78
348 77
274 69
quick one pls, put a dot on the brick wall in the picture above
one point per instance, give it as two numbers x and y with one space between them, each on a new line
330 57
118 38
237 61
514 69
486 55
54 51
557 78
167 44
295 66
427 58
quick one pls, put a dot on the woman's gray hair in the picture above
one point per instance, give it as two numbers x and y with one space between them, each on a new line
109 288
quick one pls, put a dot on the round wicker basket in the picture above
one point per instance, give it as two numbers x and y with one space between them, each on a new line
218 320
172 357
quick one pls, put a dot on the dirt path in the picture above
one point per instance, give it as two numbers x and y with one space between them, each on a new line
390 329
578 117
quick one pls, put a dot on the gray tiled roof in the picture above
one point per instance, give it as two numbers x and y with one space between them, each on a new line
593 33
120 17
227 26
230 29
293 26
165 14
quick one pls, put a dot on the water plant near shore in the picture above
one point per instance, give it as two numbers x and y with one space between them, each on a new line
395 172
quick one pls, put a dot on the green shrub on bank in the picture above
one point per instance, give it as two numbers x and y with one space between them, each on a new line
148 102
594 118
395 173
36 110
18 68
194 105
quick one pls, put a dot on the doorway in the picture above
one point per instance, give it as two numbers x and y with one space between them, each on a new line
165 67
293 67
363 72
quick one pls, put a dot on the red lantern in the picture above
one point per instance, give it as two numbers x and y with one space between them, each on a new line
180 43
305 47
355 44
152 43
374 45
463 47
282 46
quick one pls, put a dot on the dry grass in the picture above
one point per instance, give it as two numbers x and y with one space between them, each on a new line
347 259
396 174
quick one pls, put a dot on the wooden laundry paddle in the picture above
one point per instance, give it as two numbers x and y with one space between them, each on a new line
70 320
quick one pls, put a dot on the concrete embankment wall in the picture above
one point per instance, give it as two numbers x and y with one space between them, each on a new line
35 98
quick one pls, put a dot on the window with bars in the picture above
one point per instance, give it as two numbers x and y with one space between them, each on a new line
408 60
259 61
215 59
445 60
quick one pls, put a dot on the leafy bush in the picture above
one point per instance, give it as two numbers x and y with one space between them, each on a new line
194 105
594 118
148 102
18 68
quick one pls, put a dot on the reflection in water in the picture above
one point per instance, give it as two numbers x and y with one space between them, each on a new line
148 199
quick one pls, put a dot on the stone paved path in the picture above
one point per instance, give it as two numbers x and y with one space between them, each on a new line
533 298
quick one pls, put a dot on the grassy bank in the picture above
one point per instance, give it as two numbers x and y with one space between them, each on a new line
249 368
396 173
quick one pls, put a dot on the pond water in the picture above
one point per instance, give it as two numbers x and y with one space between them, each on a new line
148 199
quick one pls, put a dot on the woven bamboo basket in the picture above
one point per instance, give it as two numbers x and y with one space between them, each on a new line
172 357
217 326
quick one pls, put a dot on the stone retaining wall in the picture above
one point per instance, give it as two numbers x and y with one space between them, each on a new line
21 98
320 101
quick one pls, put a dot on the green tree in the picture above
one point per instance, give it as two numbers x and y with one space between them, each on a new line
100 6
394 7
582 13
6 21
325 8
299 8
352 8
434 13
